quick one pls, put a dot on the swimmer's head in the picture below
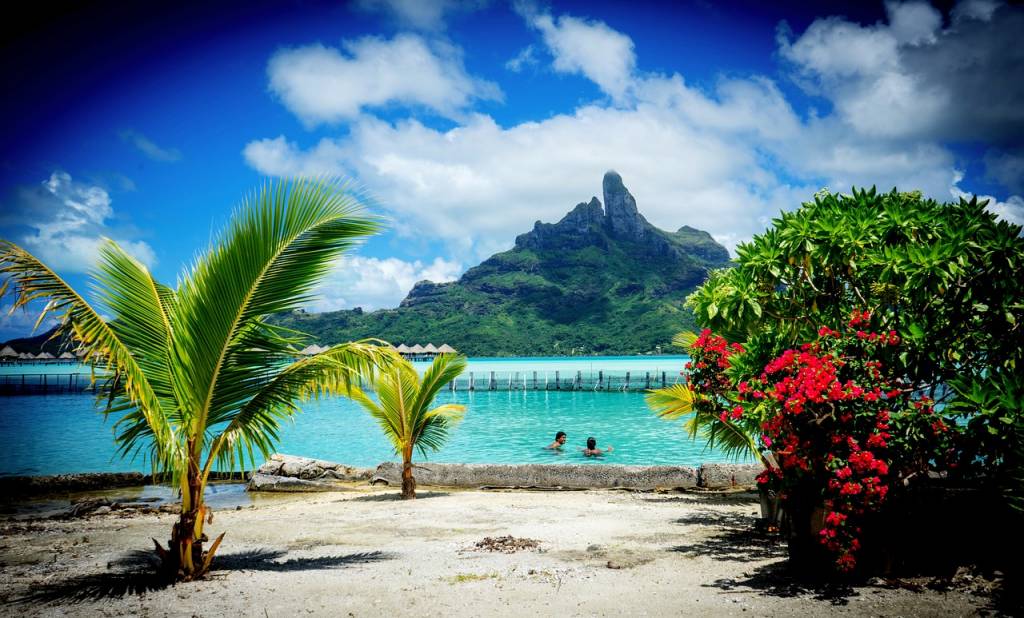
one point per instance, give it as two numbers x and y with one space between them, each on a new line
591 444
560 437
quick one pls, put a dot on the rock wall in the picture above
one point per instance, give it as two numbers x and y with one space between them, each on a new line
287 473
13 487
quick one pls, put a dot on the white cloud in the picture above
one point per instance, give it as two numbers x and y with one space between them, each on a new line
418 14
974 9
149 148
523 59
1011 210
478 185
68 220
913 22
911 78
326 85
587 47
373 283
279 157
21 322
725 160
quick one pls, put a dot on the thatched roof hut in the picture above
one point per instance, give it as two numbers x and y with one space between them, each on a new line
25 356
403 349
417 349
429 349
45 356
67 356
312 349
446 349
8 352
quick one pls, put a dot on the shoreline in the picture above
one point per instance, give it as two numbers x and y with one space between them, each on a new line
292 473
367 553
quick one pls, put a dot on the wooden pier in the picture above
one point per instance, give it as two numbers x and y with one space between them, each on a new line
45 383
629 381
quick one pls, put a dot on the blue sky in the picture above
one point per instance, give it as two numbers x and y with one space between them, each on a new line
469 121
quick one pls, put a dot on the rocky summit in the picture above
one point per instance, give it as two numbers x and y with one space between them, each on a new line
602 280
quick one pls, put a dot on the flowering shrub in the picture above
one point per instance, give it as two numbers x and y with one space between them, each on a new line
843 430
705 373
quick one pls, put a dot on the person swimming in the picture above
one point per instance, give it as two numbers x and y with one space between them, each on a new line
560 439
593 451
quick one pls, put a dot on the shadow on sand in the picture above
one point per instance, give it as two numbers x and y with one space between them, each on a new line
395 496
138 573
738 539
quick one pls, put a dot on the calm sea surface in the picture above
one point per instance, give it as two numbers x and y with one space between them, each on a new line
53 434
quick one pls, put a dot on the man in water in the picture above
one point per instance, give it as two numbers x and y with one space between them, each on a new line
559 441
593 451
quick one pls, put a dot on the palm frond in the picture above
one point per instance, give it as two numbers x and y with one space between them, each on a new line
34 281
684 340
278 247
672 402
254 426
442 370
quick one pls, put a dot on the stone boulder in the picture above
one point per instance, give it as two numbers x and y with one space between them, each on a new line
724 476
312 469
290 473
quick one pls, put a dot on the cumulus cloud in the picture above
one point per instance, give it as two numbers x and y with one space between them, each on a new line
426 15
912 78
147 147
479 184
68 220
725 158
322 84
373 283
586 47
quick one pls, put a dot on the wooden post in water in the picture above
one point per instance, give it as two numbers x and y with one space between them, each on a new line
534 380
625 386
663 381
600 379
558 385
579 380
494 384
647 381
471 381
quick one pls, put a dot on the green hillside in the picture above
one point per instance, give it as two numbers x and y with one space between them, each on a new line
600 281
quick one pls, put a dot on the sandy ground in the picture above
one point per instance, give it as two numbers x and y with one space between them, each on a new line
365 553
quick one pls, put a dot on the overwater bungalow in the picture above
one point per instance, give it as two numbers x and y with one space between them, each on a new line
8 354
424 352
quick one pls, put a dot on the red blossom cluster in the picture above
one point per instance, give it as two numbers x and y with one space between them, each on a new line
829 425
705 372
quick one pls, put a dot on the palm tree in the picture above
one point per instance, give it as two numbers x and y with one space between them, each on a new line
402 409
198 377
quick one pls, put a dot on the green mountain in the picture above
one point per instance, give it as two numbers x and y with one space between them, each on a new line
600 281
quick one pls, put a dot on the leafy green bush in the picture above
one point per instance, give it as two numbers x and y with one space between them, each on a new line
944 276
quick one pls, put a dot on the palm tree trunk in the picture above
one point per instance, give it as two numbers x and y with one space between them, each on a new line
186 535
408 482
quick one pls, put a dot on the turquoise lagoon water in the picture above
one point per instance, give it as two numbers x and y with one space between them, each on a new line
54 434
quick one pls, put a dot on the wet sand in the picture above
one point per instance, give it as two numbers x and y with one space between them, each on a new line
366 553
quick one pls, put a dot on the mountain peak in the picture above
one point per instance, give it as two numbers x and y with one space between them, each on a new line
621 215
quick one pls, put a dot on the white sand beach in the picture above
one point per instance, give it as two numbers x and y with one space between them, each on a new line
365 553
